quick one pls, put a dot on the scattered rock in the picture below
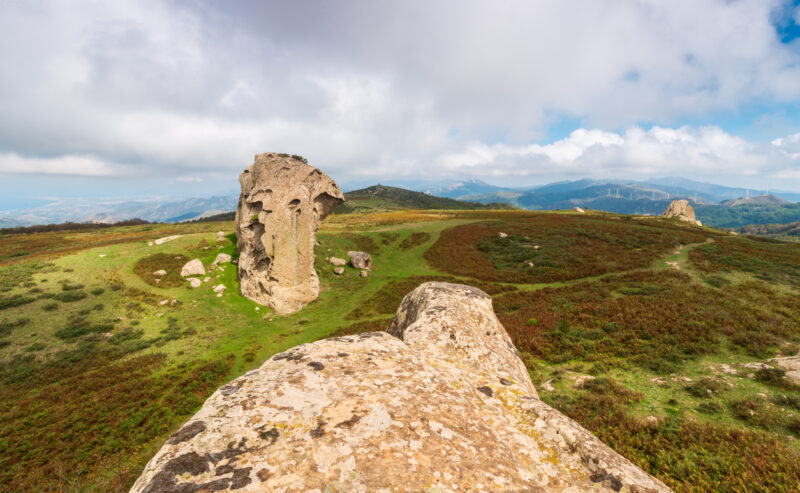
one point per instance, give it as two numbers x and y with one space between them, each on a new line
102 255
363 273
160 273
221 236
580 381
206 279
791 364
149 243
429 414
578 209
651 421
360 260
502 235
219 288
195 282
193 268
282 203
222 258
166 239
338 271
682 210
548 385
163 302
337 261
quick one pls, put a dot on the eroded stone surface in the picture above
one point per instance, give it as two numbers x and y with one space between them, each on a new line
441 402
682 210
282 203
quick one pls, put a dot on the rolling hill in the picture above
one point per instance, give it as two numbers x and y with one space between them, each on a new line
385 198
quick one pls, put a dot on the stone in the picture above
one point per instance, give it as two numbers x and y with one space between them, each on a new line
166 239
580 381
682 210
219 288
220 235
360 260
578 210
222 258
160 273
195 282
338 271
282 203
790 364
502 235
651 421
193 268
440 402
363 273
337 261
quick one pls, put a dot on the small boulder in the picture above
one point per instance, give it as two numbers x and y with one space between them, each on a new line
195 282
363 273
580 382
360 260
337 261
578 210
502 235
338 271
222 258
219 288
193 268
160 273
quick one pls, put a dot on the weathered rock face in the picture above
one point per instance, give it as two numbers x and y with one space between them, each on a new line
441 402
682 210
280 208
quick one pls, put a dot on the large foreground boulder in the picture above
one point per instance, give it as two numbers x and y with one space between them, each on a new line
682 210
282 203
440 402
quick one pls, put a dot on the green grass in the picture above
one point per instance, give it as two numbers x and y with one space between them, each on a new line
90 387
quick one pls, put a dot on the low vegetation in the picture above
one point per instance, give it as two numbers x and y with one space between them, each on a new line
669 326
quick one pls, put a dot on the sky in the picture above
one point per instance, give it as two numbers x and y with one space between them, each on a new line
157 98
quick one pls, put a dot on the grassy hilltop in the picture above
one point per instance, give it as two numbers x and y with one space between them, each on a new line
644 330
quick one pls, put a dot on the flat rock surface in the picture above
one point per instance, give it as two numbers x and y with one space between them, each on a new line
440 402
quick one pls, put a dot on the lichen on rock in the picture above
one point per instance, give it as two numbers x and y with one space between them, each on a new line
440 402
282 203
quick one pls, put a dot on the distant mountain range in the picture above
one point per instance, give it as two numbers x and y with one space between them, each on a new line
715 205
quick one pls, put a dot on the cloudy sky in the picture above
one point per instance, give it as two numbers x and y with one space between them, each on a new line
173 98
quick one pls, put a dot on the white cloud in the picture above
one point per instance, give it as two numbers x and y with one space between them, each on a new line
61 165
378 89
688 151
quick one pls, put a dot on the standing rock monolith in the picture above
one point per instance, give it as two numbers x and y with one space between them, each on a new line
682 210
282 203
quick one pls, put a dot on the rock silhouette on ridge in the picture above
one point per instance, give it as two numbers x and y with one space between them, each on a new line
282 203
440 402
682 210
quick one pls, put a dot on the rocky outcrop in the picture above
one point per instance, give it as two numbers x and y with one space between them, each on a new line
682 210
282 203
360 260
440 402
